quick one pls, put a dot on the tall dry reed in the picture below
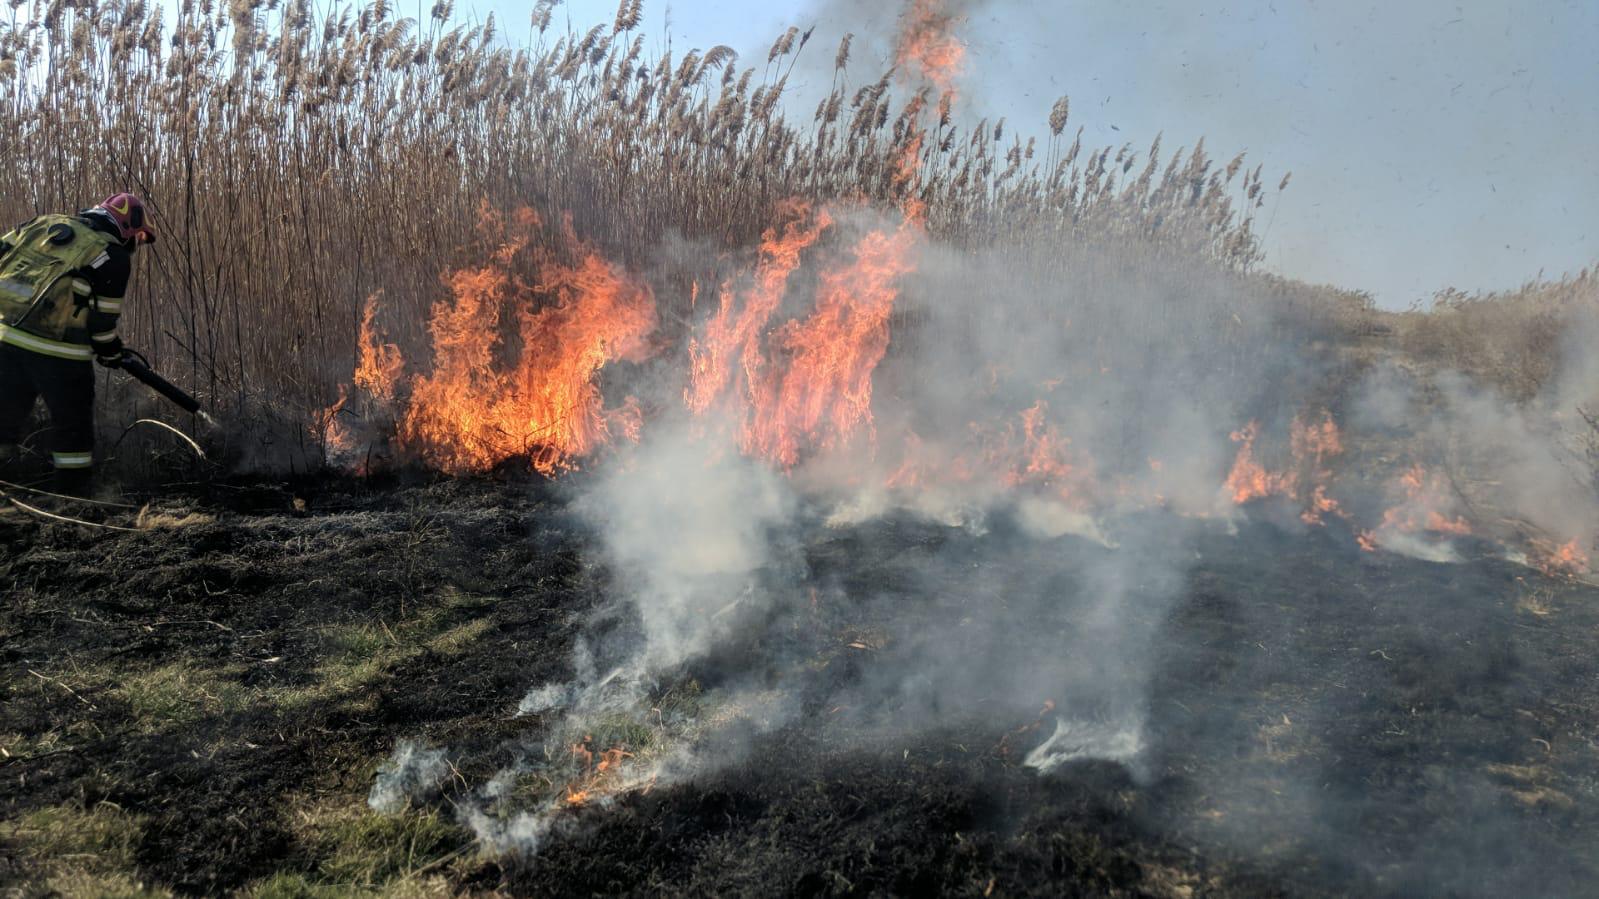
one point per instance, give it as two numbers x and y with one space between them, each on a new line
296 164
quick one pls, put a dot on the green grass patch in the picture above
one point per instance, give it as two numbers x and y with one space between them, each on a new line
624 731
370 848
458 639
359 655
301 886
21 746
68 851
178 694
354 851
347 665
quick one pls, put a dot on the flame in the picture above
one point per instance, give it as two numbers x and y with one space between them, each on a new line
908 166
380 366
927 49
477 408
378 370
910 474
1249 480
820 394
808 382
1316 443
1320 506
1045 447
1425 506
1313 444
1560 560
737 334
336 437
1004 749
927 44
599 775
516 368
1046 458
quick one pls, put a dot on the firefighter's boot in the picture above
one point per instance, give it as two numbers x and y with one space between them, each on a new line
78 482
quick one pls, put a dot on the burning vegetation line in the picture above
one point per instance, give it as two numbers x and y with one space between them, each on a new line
514 363
792 353
854 357
378 99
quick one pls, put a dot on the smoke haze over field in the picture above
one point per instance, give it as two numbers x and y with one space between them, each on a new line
1017 598
1063 431
1434 144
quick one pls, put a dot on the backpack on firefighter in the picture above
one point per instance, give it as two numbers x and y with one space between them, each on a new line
44 299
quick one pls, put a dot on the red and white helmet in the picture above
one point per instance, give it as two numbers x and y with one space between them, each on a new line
126 211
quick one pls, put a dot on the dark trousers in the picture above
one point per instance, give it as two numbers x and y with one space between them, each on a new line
67 386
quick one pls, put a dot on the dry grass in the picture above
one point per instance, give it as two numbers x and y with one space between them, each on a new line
296 165
1513 339
73 852
353 851
299 160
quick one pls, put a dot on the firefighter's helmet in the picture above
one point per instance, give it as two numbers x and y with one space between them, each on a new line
126 211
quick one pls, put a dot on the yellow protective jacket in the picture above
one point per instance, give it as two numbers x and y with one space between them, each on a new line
49 272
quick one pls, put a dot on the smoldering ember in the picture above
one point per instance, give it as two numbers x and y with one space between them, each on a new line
608 475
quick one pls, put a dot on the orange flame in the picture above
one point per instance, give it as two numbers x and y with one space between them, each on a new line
822 393
377 372
737 334
910 473
1424 505
1313 445
478 408
927 44
1316 443
1249 480
909 164
597 778
380 366
1320 505
336 437
1426 499
1560 560
1046 458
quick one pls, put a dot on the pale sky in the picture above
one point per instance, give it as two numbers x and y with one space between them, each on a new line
1433 143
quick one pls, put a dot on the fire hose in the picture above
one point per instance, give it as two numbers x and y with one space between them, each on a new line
135 364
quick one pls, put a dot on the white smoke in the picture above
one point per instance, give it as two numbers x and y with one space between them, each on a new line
549 697
412 773
688 526
1524 469
1116 741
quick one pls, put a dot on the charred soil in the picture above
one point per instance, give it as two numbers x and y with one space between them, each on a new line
200 707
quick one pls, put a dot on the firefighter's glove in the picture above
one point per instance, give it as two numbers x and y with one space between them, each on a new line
110 357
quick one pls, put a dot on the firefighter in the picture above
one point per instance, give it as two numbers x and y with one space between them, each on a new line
62 280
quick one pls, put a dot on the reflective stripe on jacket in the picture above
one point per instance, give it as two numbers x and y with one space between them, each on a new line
46 299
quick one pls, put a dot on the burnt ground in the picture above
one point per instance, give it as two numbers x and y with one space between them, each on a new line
201 707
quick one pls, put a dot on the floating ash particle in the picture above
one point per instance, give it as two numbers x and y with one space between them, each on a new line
412 772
